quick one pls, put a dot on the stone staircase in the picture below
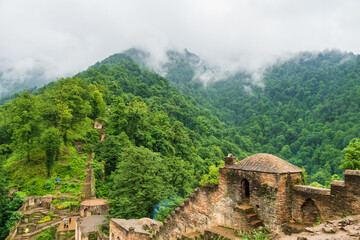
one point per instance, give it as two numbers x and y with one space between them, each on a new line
30 222
32 234
251 215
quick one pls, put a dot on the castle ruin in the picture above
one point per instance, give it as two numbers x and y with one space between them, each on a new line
259 190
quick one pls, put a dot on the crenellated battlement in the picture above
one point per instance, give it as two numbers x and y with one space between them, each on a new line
341 199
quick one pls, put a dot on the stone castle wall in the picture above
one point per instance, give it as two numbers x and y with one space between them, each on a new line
206 207
342 199
117 232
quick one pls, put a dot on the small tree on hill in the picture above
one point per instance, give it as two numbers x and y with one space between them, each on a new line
24 122
51 142
352 155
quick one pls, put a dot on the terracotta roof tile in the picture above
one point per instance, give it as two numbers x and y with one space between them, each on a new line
263 162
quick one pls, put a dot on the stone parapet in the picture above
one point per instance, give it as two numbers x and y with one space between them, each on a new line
311 190
337 183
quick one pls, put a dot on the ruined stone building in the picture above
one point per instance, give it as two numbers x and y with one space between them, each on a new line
259 190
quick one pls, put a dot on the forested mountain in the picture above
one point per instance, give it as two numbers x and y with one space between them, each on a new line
305 109
164 132
158 145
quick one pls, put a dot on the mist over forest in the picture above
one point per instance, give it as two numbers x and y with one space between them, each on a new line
138 102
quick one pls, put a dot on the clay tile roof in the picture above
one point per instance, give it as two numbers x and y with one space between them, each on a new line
263 162
137 224
94 202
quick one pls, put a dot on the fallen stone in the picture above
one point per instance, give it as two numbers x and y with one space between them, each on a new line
342 223
329 229
350 220
308 229
348 228
302 238
353 233
356 227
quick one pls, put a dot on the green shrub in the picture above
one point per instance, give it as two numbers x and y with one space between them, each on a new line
213 176
48 234
49 184
165 207
261 234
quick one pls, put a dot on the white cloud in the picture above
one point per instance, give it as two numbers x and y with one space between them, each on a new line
64 37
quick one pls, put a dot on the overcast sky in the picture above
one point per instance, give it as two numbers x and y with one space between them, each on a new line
63 37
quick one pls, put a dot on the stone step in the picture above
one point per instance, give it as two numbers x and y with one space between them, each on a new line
256 223
30 234
221 232
252 216
246 208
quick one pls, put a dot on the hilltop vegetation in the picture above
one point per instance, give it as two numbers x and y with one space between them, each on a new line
305 110
158 142
161 139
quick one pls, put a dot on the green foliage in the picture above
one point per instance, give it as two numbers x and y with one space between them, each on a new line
304 110
66 203
260 234
48 234
24 122
213 176
316 184
73 187
8 208
352 155
143 179
49 184
166 206
51 142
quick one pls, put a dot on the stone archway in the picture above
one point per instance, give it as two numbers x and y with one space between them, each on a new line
309 211
87 212
245 189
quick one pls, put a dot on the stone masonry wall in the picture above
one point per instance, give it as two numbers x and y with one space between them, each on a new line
284 195
118 233
320 196
263 190
342 199
270 193
206 207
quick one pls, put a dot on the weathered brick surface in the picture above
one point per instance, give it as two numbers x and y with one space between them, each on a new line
118 233
212 206
275 195
343 198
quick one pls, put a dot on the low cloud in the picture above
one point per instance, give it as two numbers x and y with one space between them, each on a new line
64 37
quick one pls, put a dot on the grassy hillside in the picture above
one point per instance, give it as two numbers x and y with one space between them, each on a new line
158 145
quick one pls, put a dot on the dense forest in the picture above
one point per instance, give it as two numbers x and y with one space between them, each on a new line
305 110
164 134
159 142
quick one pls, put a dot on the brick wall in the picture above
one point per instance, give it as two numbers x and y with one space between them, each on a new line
342 199
119 233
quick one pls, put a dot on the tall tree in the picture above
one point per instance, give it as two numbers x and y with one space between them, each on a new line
51 142
24 123
352 155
